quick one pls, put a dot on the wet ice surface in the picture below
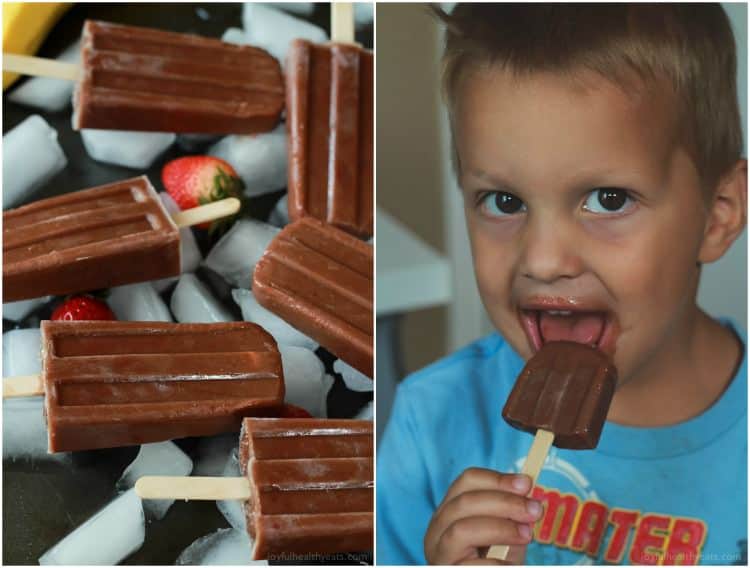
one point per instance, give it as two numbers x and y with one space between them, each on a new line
126 148
279 217
25 430
48 94
282 332
22 352
365 413
16 311
161 458
212 453
232 509
108 537
353 379
138 302
193 302
21 175
224 547
274 30
235 255
306 382
260 159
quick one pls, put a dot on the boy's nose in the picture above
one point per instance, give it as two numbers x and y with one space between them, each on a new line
549 251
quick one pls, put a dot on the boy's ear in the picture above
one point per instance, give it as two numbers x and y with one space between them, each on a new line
728 214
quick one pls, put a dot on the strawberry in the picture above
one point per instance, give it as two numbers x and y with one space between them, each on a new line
198 180
77 308
291 411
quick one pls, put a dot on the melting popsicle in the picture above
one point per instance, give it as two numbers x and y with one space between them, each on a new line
562 396
106 236
109 384
308 486
319 279
330 127
329 90
134 78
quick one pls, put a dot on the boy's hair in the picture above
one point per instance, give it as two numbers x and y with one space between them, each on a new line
687 48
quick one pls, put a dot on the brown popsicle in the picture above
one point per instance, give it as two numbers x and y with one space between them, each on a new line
136 78
562 396
105 236
319 279
330 125
311 485
109 384
566 388
308 486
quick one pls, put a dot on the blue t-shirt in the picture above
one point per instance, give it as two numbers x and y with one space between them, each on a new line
669 495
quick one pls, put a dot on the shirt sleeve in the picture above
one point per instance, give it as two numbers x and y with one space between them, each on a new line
404 502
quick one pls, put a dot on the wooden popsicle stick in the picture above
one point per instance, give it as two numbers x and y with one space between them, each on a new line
342 22
25 385
40 67
531 467
208 212
194 488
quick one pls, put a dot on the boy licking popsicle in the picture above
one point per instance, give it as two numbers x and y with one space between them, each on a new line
599 152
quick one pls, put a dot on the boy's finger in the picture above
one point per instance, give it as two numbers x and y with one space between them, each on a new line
479 478
460 539
485 503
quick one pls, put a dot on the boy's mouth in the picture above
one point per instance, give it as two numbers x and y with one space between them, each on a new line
590 327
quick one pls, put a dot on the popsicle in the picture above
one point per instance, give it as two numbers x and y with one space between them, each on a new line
308 486
329 90
319 279
134 78
109 384
106 236
562 396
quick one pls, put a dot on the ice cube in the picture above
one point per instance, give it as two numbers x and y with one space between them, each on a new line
108 537
260 159
235 35
296 8
22 352
138 302
16 311
365 413
353 379
273 30
279 216
232 508
212 452
283 333
304 379
31 157
25 430
127 148
235 255
161 458
192 301
362 13
52 95
224 547
190 254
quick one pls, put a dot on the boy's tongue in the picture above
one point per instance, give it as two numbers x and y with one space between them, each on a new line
582 328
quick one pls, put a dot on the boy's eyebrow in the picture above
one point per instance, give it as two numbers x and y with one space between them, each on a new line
493 180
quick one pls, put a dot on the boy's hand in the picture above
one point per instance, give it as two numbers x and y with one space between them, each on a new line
481 508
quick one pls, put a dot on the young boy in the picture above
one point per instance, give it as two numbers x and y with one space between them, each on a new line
598 149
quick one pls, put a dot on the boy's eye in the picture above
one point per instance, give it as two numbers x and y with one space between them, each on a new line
608 200
500 203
